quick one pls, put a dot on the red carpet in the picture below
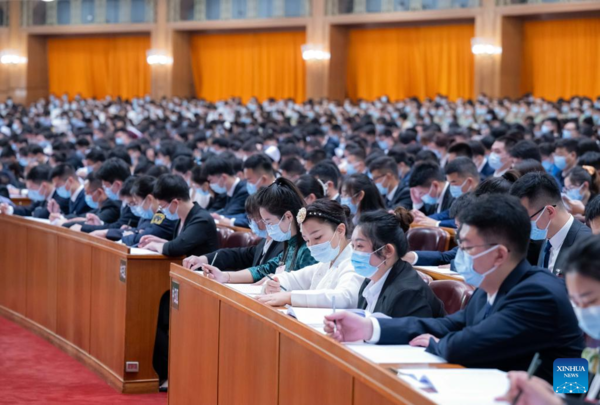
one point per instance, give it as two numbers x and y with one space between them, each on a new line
32 371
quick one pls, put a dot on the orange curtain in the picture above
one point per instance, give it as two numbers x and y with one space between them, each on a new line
264 65
410 61
99 66
561 58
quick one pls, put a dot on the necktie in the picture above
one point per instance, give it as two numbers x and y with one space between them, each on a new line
547 254
488 309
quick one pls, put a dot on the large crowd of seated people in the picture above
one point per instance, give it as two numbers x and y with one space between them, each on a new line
332 189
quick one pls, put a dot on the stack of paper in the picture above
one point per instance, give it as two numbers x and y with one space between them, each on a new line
248 289
439 270
142 252
312 317
459 386
392 354
45 221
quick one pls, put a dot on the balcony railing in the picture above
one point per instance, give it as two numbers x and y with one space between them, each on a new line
516 2
203 10
77 12
341 7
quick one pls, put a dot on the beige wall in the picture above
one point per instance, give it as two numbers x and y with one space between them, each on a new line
496 76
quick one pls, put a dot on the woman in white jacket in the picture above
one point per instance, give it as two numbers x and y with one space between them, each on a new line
324 228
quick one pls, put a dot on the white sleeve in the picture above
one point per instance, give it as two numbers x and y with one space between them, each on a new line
376 331
299 279
416 258
11 210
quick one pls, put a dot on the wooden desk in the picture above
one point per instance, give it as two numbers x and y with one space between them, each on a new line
86 295
430 270
21 201
227 348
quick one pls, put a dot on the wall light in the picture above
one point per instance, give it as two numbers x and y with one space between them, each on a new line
10 57
314 52
485 46
158 57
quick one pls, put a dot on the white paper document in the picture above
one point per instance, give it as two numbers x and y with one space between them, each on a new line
436 269
142 252
394 353
247 289
313 317
459 386
43 220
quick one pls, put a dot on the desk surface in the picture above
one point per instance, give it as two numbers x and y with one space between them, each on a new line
227 348
89 296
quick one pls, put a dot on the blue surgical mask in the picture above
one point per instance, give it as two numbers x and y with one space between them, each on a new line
350 169
119 141
537 233
567 134
202 192
23 162
252 188
382 190
277 234
589 320
560 162
89 169
361 261
323 252
169 215
35 195
257 231
63 192
547 166
575 193
495 161
218 189
111 194
159 162
383 145
464 266
348 201
428 199
456 191
90 202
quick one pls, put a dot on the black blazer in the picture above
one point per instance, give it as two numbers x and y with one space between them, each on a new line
401 198
39 209
244 257
404 293
79 206
578 233
108 212
235 204
531 313
197 237
126 217
486 171
446 204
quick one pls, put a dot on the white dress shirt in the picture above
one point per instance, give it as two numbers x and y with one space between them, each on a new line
390 194
232 189
557 241
76 193
441 200
314 286
372 291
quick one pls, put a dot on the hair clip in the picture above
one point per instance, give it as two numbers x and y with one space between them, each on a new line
301 215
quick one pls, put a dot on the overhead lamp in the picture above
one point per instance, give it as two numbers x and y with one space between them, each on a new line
11 57
158 57
311 52
485 46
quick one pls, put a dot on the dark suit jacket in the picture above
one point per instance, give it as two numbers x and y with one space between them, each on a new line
404 293
244 257
434 258
446 203
39 209
401 198
486 171
126 217
197 237
444 218
235 205
78 207
578 233
531 313
158 226
108 212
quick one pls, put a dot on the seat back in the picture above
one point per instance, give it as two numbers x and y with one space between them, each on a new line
454 294
223 234
425 277
239 239
432 239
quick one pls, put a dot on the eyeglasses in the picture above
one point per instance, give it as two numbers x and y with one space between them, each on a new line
540 210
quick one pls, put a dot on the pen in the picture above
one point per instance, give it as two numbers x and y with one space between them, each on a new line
533 366
211 263
334 322
271 278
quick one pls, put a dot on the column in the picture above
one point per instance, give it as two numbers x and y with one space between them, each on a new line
317 72
161 39
487 68
16 75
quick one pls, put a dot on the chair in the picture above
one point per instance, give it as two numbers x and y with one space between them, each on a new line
238 239
223 234
432 239
454 294
426 277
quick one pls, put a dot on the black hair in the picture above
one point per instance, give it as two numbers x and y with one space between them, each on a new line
570 145
217 165
539 188
120 153
402 156
157 171
308 184
125 190
39 173
508 142
63 171
326 171
384 165
35 149
198 176
251 206
579 175
528 166
292 166
315 156
383 228
183 164
424 173
592 209
461 149
94 182
500 219
260 163
526 150
169 187
477 148
587 145
96 155
583 258
426 155
464 166
372 200
547 148
143 186
493 185
328 211
112 170
461 203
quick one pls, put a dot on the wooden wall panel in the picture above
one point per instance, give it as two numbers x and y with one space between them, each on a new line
41 278
365 395
245 340
14 262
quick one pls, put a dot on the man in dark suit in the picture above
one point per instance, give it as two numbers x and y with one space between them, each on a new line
222 178
384 171
516 311
551 221
68 186
478 151
330 175
429 190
